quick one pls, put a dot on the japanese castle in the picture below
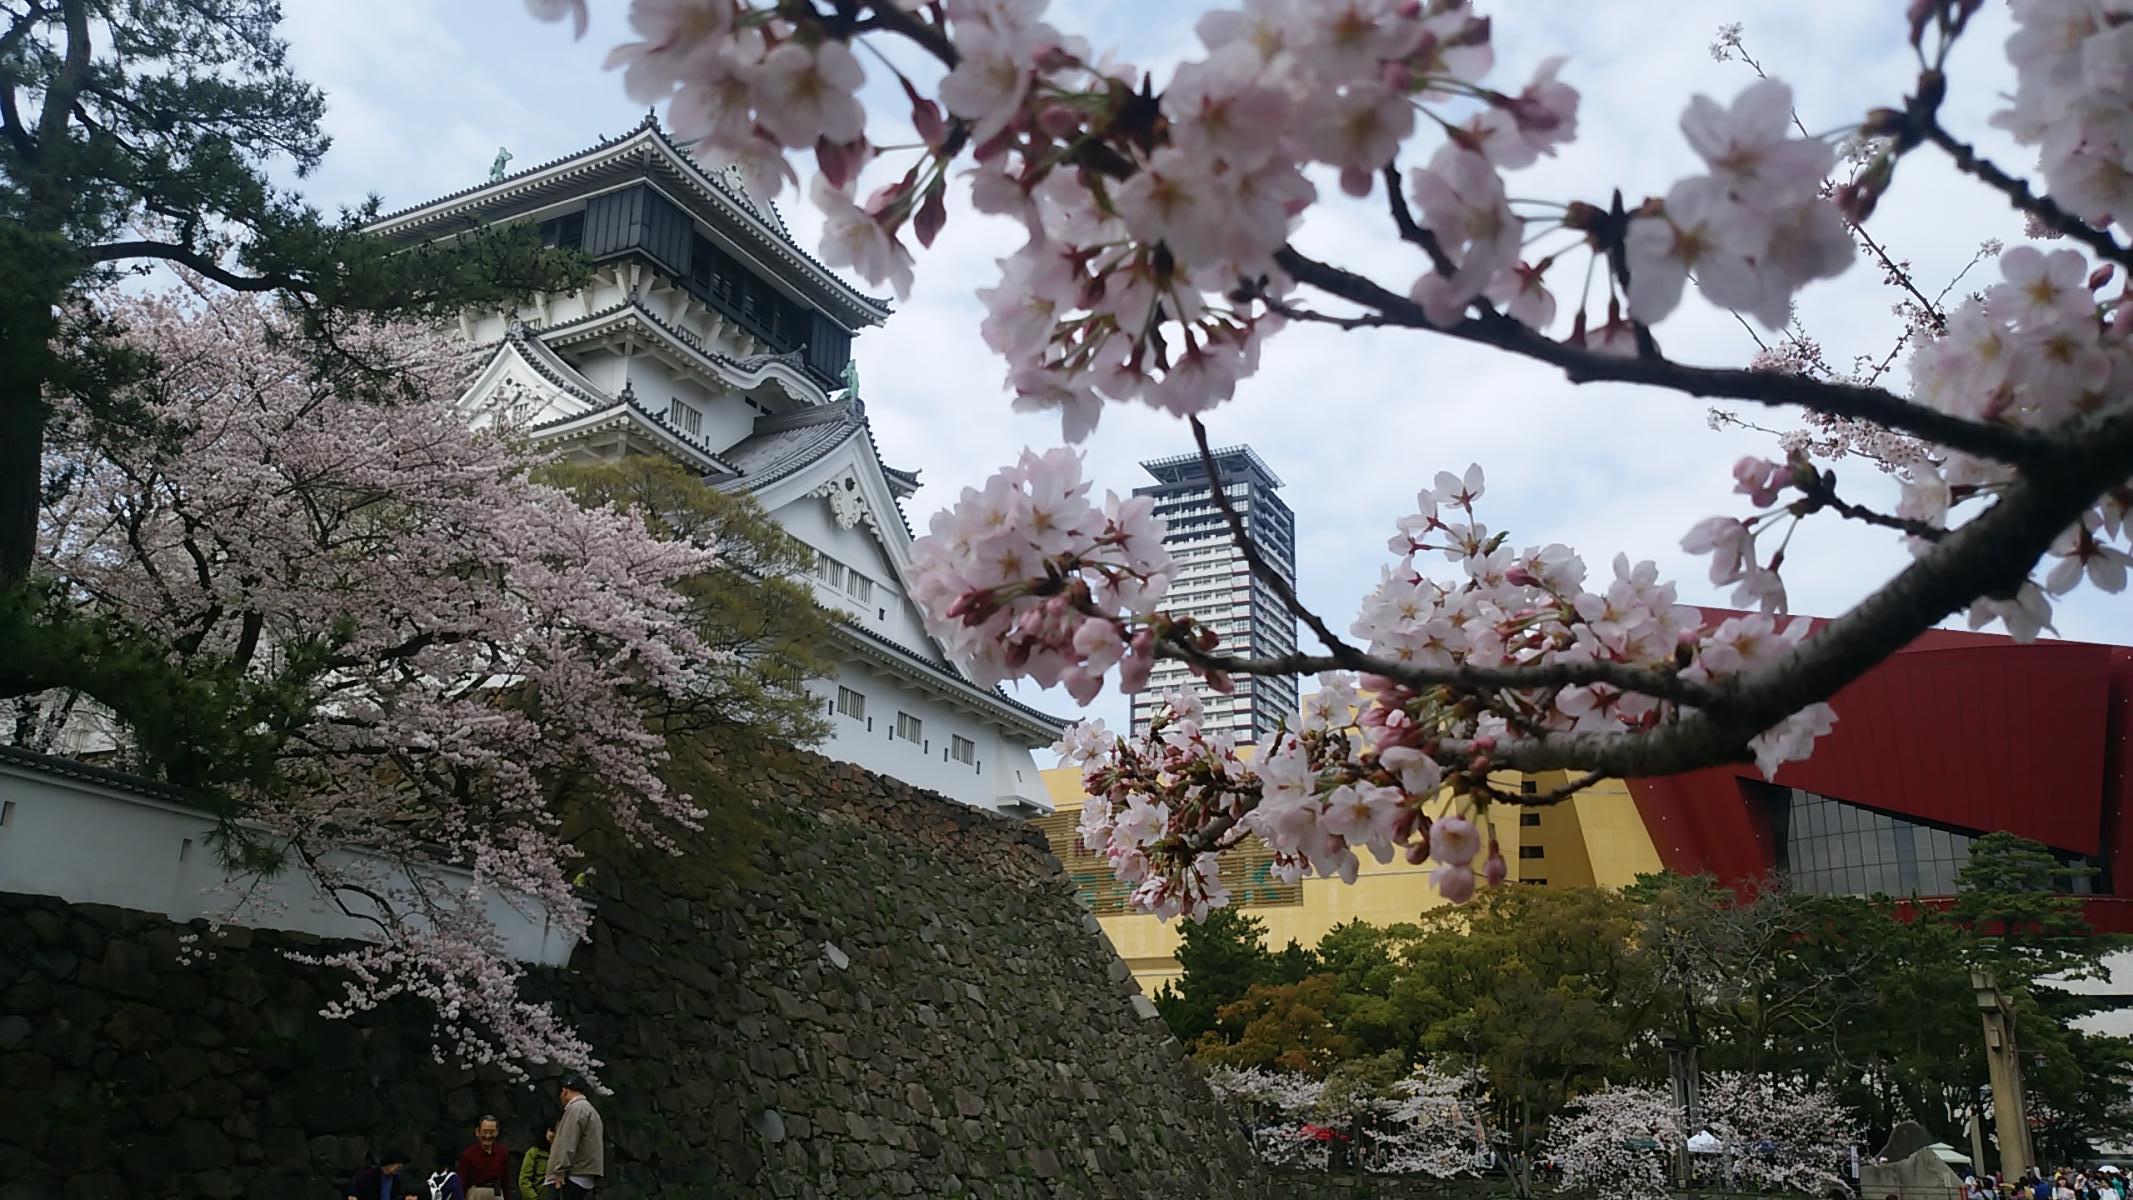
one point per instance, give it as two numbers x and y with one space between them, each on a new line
708 335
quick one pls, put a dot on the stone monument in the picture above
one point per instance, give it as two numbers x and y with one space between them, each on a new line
1909 1169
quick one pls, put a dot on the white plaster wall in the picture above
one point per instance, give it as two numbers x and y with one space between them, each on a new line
889 612
1002 770
88 843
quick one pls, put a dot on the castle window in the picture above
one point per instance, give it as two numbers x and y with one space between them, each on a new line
829 570
566 232
962 749
908 727
684 417
862 588
850 703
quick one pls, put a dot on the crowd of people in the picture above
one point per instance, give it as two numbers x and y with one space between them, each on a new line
2106 1183
567 1165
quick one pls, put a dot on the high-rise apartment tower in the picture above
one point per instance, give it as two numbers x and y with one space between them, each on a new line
1215 585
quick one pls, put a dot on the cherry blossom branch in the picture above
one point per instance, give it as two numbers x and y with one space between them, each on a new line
1989 556
1821 489
1925 121
1548 799
1660 685
1581 365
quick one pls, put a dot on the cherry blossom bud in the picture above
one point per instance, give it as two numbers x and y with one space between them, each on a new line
1059 121
1494 869
932 214
1055 58
1455 884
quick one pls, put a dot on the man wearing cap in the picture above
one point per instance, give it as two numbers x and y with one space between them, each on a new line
578 1158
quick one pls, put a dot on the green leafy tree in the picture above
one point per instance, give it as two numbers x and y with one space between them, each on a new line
2016 899
1220 959
1284 1026
1537 988
756 607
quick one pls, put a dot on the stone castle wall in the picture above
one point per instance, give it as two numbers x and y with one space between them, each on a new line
870 991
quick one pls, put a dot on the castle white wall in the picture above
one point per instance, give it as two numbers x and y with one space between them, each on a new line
89 843
1003 771
888 612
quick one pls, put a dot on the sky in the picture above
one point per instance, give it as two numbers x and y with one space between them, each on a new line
422 93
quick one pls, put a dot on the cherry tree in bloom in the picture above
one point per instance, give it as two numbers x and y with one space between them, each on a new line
453 644
1618 1141
1276 1105
1425 1124
1779 1135
1160 213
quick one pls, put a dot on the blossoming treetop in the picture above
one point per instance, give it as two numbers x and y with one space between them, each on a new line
1159 263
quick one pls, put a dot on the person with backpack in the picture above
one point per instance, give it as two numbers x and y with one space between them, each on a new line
533 1169
444 1181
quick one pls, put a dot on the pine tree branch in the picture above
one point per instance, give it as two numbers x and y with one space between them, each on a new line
191 260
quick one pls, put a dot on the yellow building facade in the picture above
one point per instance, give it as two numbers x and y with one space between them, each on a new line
1595 839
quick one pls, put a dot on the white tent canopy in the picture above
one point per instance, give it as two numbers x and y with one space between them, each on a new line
1705 1143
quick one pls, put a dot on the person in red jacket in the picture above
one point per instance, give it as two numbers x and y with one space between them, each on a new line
485 1167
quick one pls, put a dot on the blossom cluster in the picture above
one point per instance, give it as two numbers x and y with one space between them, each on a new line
1156 218
1026 578
2044 345
1363 761
1755 229
2073 100
2036 350
1617 1141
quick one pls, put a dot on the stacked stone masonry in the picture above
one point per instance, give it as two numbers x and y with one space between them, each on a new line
896 996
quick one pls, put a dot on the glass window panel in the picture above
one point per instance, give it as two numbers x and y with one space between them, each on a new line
1906 860
1855 881
1839 851
1884 853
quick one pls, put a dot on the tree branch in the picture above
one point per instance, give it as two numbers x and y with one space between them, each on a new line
1645 681
1581 365
191 260
2043 208
1259 565
1990 556
67 82
1548 799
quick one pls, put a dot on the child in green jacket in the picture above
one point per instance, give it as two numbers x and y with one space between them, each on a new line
533 1169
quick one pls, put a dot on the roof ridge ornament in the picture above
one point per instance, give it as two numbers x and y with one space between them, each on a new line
850 375
496 169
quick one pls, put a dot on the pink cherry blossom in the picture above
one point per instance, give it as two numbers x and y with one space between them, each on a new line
805 95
